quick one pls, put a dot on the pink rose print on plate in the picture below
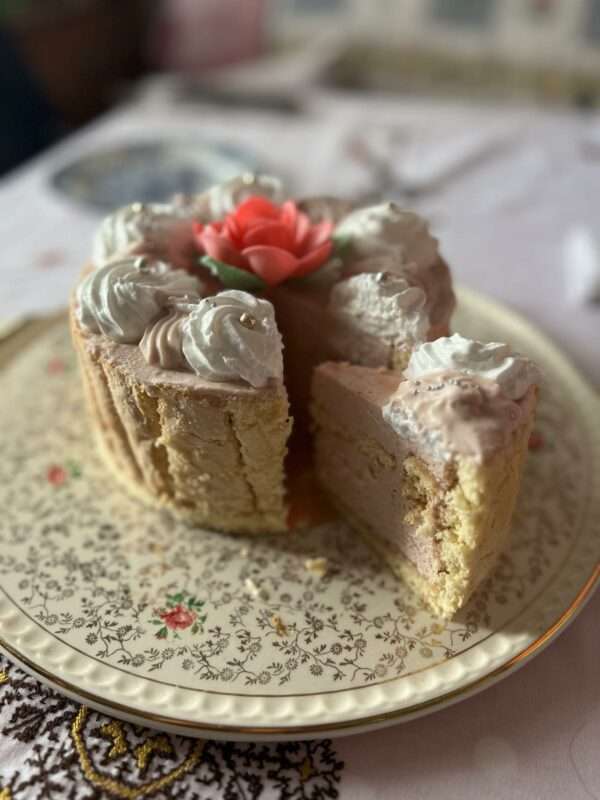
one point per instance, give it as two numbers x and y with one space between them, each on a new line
178 618
58 475
181 611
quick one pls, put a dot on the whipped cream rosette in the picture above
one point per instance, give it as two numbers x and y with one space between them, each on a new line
493 361
382 304
121 298
233 336
388 229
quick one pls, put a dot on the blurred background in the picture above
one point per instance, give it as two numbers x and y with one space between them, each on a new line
479 114
62 62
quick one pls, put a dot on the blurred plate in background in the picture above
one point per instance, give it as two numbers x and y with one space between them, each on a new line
149 171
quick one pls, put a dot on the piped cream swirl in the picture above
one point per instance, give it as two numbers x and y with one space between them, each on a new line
233 336
162 341
121 298
136 228
449 414
494 361
382 304
388 229
224 197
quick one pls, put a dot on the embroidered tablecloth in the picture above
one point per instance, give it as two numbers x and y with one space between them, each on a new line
502 223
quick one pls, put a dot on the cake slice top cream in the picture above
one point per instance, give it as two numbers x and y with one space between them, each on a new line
451 415
493 360
462 398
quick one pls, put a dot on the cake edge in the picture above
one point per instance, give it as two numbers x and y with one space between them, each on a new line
122 453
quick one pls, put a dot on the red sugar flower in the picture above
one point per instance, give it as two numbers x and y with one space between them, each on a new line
272 242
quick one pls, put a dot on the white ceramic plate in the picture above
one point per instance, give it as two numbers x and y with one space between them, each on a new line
132 613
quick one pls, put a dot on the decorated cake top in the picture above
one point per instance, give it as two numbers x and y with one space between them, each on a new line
181 279
462 397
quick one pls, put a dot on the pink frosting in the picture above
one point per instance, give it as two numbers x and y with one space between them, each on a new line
450 414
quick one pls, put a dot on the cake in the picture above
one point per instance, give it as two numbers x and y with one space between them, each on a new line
178 320
200 324
426 465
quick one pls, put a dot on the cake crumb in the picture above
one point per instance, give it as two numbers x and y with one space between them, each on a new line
257 592
279 625
318 566
244 552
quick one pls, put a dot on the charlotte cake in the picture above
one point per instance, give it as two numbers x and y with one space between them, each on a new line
177 325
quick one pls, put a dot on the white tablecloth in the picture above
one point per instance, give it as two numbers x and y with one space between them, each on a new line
502 224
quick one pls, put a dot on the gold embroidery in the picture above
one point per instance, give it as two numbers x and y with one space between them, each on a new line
114 730
115 787
156 744
3 679
306 770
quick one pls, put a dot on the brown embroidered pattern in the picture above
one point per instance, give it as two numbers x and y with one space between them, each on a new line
91 757
118 788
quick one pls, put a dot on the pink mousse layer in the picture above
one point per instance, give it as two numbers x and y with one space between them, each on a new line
364 454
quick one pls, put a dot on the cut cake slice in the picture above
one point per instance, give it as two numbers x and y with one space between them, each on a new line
426 468
210 450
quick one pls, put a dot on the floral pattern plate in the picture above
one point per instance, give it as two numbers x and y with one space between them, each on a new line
131 612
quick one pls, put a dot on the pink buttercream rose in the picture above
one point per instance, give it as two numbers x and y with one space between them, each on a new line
178 618
273 242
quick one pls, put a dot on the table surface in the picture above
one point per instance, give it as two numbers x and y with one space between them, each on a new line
502 221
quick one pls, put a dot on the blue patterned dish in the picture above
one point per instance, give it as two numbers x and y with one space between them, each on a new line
149 171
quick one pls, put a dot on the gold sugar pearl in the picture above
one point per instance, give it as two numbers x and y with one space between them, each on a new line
141 262
381 277
248 321
137 208
248 178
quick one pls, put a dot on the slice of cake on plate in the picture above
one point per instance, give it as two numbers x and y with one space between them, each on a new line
427 465
185 392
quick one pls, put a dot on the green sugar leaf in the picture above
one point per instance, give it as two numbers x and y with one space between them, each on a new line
233 277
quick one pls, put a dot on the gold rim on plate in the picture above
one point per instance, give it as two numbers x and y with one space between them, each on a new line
196 728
